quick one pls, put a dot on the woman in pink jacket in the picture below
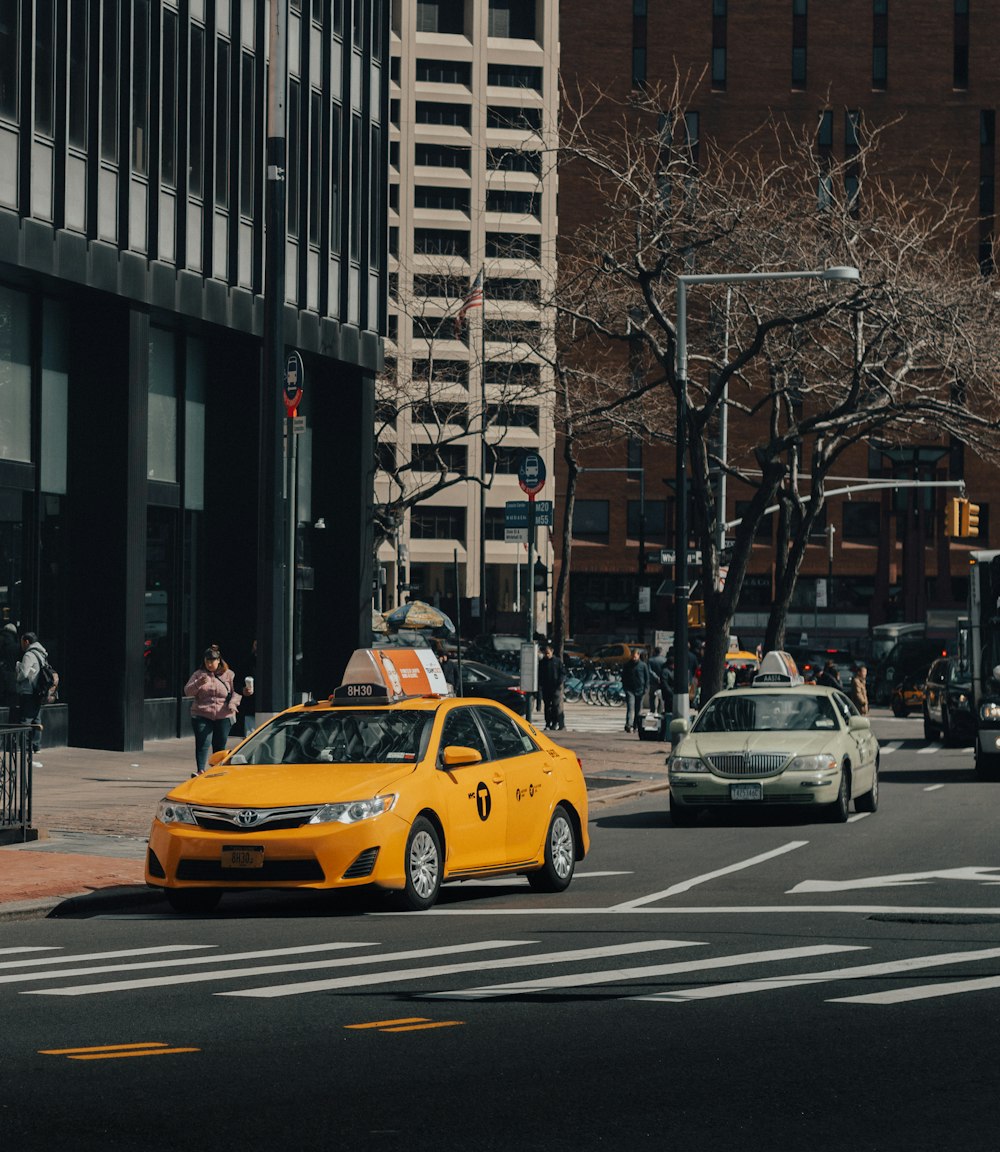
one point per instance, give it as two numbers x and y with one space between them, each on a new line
213 706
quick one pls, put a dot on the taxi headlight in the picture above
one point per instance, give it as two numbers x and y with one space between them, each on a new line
990 710
170 812
353 811
824 762
687 764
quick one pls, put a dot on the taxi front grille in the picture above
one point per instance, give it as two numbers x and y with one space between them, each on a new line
272 871
739 764
253 820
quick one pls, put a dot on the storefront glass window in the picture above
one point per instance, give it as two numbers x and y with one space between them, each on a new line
194 426
15 377
161 461
55 398
160 663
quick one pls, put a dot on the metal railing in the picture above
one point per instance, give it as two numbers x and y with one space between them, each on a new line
15 780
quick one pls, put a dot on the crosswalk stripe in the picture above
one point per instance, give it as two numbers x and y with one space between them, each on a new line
620 975
12 951
769 983
274 969
930 749
77 958
367 979
216 958
890 747
923 992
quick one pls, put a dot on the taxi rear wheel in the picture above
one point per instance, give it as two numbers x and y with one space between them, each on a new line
423 866
193 899
560 855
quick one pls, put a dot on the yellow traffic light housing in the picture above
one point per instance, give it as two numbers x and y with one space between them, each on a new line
696 613
968 519
952 516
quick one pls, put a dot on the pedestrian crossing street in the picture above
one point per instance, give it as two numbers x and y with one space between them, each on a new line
663 971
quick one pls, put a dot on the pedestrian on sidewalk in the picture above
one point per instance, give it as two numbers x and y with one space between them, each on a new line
551 678
29 702
657 663
859 688
214 702
635 681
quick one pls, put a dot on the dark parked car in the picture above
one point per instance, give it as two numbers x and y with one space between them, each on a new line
948 702
492 684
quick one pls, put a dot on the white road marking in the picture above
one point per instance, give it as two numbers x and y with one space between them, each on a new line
857 816
718 910
216 958
686 885
77 958
890 747
367 980
274 969
933 787
902 880
930 749
507 881
13 951
620 975
864 971
922 992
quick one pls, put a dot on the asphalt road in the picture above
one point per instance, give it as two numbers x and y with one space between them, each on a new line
746 984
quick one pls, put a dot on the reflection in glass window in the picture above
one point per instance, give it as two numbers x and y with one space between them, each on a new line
15 377
161 456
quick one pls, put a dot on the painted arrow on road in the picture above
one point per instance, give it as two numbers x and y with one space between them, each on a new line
902 880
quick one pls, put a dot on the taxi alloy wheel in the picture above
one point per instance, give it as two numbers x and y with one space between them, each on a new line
560 855
423 866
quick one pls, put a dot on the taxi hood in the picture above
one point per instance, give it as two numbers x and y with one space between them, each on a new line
281 785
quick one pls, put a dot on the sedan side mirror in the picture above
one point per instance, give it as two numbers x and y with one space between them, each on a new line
457 755
678 728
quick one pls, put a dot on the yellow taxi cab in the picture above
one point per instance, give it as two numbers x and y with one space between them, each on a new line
389 782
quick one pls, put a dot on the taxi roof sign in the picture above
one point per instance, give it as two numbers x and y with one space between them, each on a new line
380 673
777 668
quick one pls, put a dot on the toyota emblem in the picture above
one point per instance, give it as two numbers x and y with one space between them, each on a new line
247 817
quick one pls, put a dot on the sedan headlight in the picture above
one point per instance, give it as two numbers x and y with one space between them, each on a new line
688 764
821 763
990 710
353 811
170 812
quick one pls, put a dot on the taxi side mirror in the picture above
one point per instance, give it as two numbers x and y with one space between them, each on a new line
679 727
859 723
457 755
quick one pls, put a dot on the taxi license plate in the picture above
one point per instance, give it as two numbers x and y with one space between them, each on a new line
746 792
243 856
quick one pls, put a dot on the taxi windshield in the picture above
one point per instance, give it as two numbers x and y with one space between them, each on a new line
340 736
766 712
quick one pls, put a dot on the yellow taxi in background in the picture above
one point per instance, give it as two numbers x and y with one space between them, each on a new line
387 783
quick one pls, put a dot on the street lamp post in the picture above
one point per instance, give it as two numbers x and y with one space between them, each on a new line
681 587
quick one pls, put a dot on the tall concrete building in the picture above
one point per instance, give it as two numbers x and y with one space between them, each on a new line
925 68
138 432
474 92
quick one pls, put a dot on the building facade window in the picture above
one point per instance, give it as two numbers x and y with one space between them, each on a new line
440 458
513 202
720 10
961 34
512 19
513 416
442 156
514 76
140 87
161 452
590 520
514 119
862 521
640 30
443 199
799 42
852 170
514 246
168 101
448 115
109 81
514 160
9 39
655 527
511 374
880 43
437 522
15 376
442 16
444 72
45 31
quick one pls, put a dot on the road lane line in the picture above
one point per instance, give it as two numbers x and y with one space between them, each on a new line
892 746
930 749
365 980
685 885
78 957
799 979
857 816
717 910
54 973
923 992
933 787
620 975
12 951
274 969
424 1027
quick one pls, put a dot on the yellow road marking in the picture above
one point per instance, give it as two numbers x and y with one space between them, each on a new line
407 1024
429 1024
386 1023
116 1051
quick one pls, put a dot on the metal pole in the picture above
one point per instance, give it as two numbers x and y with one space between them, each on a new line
681 709
458 624
291 445
642 549
271 621
531 591
482 486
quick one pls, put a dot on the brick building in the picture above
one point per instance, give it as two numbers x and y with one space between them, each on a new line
928 64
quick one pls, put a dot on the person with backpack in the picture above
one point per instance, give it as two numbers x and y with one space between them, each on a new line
32 689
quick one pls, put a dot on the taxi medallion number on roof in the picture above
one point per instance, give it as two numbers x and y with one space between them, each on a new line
390 783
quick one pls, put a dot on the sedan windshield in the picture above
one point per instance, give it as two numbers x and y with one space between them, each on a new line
341 736
766 712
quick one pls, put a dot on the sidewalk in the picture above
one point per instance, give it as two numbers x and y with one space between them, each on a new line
92 810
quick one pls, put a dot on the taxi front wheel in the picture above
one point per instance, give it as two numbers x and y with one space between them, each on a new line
423 866
560 855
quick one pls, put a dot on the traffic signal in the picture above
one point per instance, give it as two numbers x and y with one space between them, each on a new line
952 516
969 519
696 613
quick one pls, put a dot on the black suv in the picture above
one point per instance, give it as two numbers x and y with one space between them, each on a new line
948 702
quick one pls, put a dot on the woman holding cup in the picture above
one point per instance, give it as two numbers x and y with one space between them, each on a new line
214 703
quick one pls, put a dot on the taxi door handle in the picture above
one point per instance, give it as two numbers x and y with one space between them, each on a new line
497 778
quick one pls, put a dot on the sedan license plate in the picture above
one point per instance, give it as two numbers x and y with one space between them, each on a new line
243 856
746 792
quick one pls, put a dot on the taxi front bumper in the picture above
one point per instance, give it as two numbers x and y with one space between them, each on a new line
310 856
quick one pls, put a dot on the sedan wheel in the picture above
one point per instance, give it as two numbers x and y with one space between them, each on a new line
423 866
869 801
838 811
560 855
930 730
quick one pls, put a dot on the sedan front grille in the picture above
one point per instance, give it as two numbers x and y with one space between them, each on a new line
253 819
739 764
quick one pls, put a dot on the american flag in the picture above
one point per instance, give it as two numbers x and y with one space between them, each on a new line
473 299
